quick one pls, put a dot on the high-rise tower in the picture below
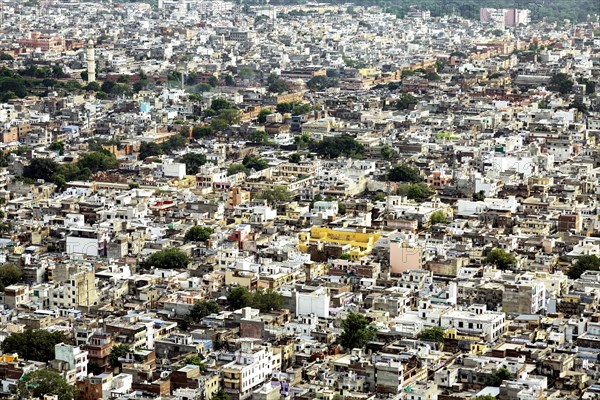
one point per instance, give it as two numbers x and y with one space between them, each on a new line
91 61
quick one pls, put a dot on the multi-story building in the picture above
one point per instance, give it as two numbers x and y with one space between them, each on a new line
251 367
76 358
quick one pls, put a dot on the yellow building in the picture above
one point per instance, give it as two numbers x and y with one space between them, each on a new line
8 358
361 244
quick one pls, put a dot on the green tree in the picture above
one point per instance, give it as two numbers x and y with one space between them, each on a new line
98 161
198 234
175 142
561 83
584 263
219 124
94 368
260 137
195 360
267 300
378 197
9 275
193 162
496 379
387 153
295 158
236 168
220 104
170 258
229 81
579 106
333 73
230 115
485 397
40 168
341 208
262 115
220 395
321 83
93 87
418 192
438 217
345 256
213 81
334 147
479 196
203 88
432 76
116 352
246 73
203 309
57 146
501 259
278 86
405 101
356 332
42 382
239 297
149 149
123 79
278 193
199 132
433 334
404 173
254 162
36 345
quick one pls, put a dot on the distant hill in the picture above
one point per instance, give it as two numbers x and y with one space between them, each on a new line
553 10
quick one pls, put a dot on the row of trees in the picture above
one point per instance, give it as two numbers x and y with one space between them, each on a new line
264 300
50 171
152 149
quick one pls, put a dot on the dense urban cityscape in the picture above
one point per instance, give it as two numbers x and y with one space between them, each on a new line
219 200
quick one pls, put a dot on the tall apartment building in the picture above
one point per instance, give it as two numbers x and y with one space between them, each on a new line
74 287
251 367
509 16
76 358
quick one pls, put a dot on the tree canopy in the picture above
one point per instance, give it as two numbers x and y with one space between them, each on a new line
356 331
36 345
264 300
496 379
193 162
404 173
9 275
202 309
434 334
584 263
239 297
198 234
170 258
278 193
343 145
41 382
438 217
117 351
255 162
561 83
405 101
501 259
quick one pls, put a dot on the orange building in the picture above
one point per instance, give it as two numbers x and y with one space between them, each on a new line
237 196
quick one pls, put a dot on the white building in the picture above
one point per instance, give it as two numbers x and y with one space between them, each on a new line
76 358
315 302
251 367
476 321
